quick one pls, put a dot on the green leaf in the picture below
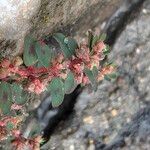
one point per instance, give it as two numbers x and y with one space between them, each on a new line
9 126
91 77
70 83
5 97
29 54
110 77
102 37
44 53
67 45
19 96
90 39
106 77
95 71
38 64
56 88
95 40
72 45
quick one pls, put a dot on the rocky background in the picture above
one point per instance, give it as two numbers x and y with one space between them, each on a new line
117 116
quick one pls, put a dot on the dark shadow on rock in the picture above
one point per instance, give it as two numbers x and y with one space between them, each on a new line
49 117
126 13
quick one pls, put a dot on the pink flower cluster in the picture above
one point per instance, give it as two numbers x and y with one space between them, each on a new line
21 143
36 86
86 59
37 78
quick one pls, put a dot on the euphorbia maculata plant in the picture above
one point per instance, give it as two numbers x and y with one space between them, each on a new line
41 69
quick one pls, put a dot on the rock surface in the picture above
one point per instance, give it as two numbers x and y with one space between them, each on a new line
106 116
40 18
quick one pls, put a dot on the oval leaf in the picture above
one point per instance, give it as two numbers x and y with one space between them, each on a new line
63 42
19 96
70 83
90 39
95 71
72 45
29 54
5 97
44 53
56 88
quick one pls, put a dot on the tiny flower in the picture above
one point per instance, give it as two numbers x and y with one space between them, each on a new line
104 71
78 78
3 133
63 75
16 107
16 133
99 47
5 63
37 86
94 62
76 66
85 80
83 53
2 124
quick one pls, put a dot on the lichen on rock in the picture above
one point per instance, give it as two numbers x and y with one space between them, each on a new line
15 22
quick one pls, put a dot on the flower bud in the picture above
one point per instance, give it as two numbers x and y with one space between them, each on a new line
5 63
17 61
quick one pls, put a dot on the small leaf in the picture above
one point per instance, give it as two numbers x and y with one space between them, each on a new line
102 37
64 44
110 77
90 39
19 96
5 97
91 77
72 45
9 126
29 54
106 77
56 88
70 83
95 40
95 71
44 53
